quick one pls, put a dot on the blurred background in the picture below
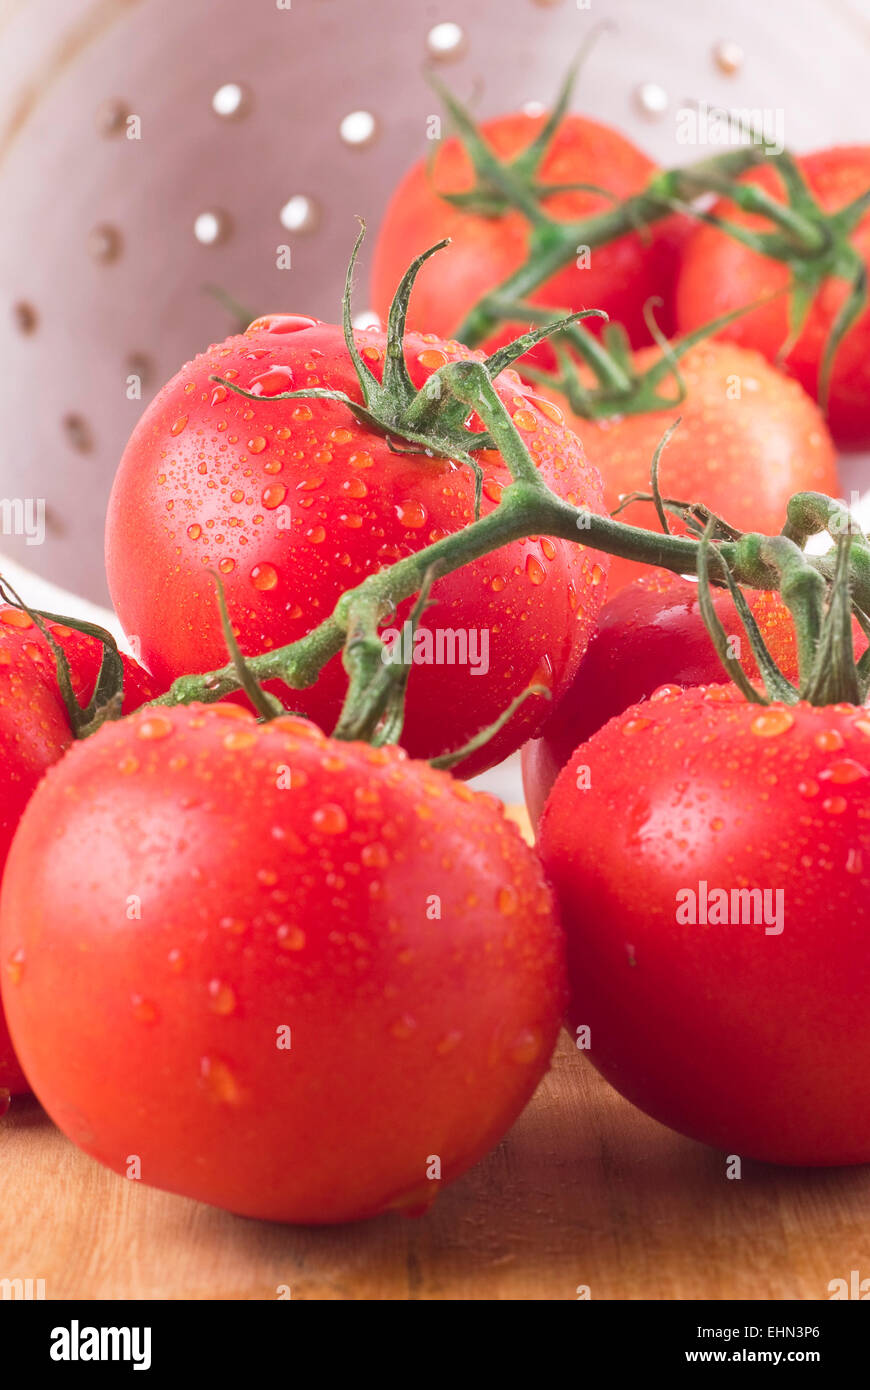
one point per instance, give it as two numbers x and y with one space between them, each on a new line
275 122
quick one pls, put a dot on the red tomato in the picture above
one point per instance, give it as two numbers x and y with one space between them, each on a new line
618 277
293 502
750 1033
748 439
651 634
718 274
35 730
299 979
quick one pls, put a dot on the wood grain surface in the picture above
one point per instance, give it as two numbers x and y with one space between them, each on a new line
584 1191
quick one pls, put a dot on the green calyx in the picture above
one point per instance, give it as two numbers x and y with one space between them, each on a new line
820 595
813 244
432 420
108 693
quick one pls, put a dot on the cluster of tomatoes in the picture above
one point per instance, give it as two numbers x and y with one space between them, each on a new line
313 980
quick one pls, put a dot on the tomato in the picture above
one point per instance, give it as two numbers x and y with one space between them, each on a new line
748 439
300 979
295 501
618 277
651 634
750 1034
719 274
35 731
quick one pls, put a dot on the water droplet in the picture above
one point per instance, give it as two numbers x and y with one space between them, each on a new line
194 531
290 938
506 900
636 725
525 420
548 548
772 722
274 495
238 739
227 566
433 358
854 861
596 576
808 788
264 576
316 535
844 771
219 1081
144 1010
330 820
374 856
257 444
403 1027
361 459
526 1046
15 966
283 323
829 740
178 425
221 998
155 726
235 926
535 570
497 584
271 383
128 765
340 435
411 513
834 805
13 617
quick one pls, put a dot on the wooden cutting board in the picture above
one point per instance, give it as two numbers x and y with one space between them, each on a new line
585 1191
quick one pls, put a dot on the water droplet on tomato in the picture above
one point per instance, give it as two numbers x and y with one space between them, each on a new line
403 1027
155 726
194 531
15 966
316 535
526 1046
506 900
274 495
290 938
330 820
636 725
771 722
178 425
221 998
283 323
525 420
13 617
374 856
844 771
829 740
264 576
272 382
411 513
219 1081
144 1010
535 570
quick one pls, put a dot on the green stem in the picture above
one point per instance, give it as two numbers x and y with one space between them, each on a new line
556 244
